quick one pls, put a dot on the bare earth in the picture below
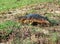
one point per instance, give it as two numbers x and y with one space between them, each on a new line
42 34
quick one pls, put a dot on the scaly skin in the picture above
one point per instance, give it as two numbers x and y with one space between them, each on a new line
34 18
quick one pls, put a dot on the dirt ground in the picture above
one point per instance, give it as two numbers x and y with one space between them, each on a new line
34 34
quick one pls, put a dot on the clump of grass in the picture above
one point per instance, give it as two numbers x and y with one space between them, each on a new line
6 24
7 28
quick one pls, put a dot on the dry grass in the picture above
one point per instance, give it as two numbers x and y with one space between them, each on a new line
28 34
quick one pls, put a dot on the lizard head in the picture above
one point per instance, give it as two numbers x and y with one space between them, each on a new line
22 18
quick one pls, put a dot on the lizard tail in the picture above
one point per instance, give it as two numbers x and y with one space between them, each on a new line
52 22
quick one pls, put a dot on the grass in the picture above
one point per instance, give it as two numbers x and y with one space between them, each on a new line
7 27
11 24
10 4
51 38
6 24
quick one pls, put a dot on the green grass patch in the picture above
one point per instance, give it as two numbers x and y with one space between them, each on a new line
6 24
10 4
7 27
